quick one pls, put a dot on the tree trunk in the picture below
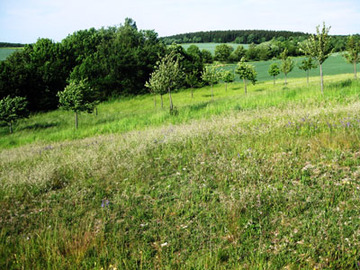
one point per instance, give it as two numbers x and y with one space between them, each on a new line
274 80
212 92
171 103
307 77
76 120
162 102
11 128
154 101
192 93
96 111
355 72
285 78
245 86
321 79
226 87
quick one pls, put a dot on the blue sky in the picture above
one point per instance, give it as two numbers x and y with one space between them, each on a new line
27 20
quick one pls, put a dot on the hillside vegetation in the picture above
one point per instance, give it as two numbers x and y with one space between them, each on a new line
268 180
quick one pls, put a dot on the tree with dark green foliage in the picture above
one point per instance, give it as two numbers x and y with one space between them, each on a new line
167 75
237 54
318 47
189 62
352 53
274 70
246 72
13 109
287 64
307 64
227 76
207 56
211 76
78 97
223 52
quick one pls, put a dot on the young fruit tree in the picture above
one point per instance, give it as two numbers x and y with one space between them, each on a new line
287 64
192 80
318 47
227 77
211 76
274 70
167 76
156 87
13 109
307 64
78 97
246 72
352 54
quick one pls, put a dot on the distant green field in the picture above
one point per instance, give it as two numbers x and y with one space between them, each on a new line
334 65
211 46
5 52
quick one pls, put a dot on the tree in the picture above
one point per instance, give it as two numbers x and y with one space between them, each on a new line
227 77
223 52
13 109
167 75
318 47
237 54
246 72
353 52
192 79
207 56
78 97
287 64
211 76
274 70
307 65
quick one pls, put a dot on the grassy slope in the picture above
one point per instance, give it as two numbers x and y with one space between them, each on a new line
138 113
270 180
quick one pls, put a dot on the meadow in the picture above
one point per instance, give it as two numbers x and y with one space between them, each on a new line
5 52
267 180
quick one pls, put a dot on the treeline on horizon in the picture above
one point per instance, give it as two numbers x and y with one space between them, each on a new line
9 44
236 36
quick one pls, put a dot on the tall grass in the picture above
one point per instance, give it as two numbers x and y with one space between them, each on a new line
269 180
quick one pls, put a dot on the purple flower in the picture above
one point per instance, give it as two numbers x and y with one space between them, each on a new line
105 203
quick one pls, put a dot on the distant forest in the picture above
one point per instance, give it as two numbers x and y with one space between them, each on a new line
9 44
236 36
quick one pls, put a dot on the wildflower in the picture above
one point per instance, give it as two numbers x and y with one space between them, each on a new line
164 244
104 203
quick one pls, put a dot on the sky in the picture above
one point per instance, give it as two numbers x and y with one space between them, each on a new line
24 21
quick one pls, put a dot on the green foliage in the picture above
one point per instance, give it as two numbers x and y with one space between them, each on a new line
227 76
246 71
223 52
167 76
211 75
318 46
353 52
78 97
13 109
207 56
307 64
287 64
237 54
274 70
